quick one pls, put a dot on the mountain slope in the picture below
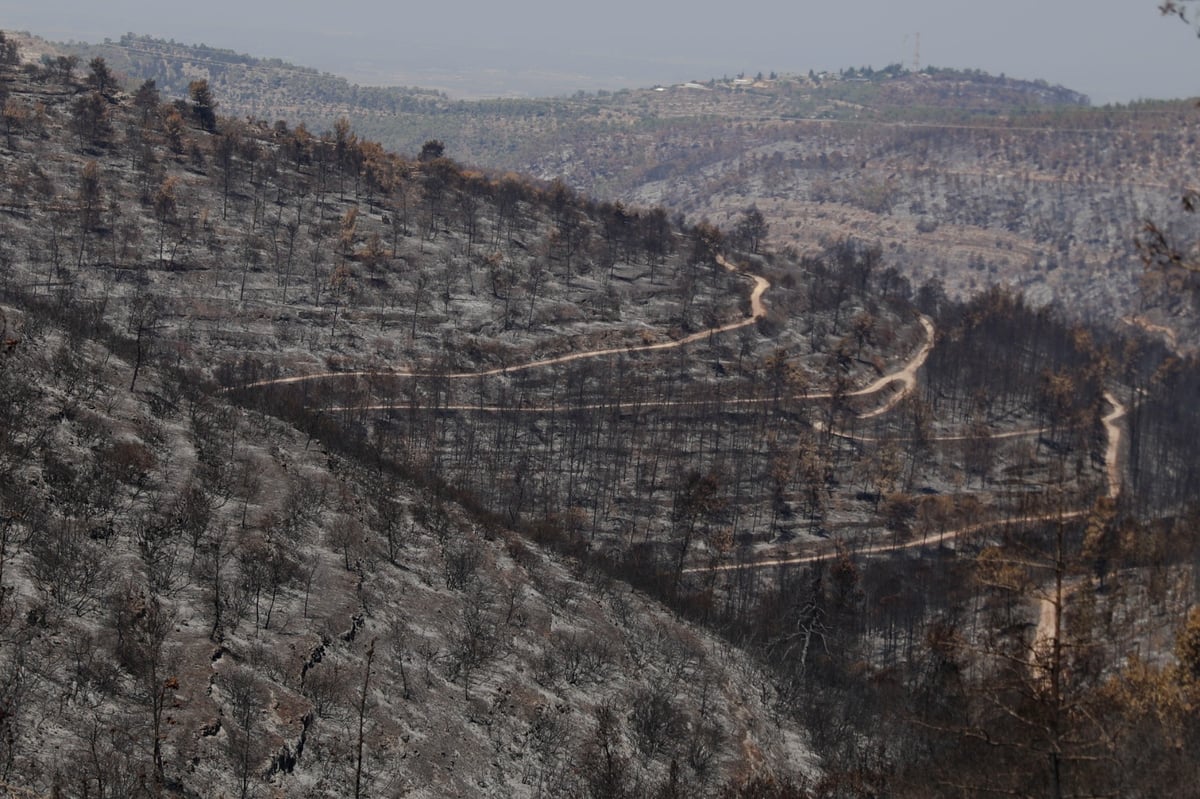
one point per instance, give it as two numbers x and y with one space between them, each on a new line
359 439
200 599
962 177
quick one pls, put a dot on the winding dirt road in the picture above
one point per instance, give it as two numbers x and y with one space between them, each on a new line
1026 433
1166 333
758 310
1112 453
906 375
879 549
1048 620
1113 475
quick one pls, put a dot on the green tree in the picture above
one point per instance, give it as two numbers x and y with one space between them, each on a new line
9 55
90 120
63 67
751 229
204 107
147 99
431 151
100 77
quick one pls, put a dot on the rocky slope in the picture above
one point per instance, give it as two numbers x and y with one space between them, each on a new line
199 599
962 177
329 471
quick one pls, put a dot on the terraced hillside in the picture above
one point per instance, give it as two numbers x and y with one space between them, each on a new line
330 471
960 177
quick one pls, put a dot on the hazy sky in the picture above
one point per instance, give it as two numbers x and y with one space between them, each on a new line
1113 50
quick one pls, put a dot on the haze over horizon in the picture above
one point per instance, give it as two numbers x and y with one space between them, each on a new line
1112 50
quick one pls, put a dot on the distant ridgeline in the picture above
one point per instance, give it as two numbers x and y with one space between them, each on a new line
934 94
245 82
1037 92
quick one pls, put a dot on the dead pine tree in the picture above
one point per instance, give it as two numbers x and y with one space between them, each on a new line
362 718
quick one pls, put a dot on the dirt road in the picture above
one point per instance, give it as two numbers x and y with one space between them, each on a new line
758 310
905 375
1048 619
1112 472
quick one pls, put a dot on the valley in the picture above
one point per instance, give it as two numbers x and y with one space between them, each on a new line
331 470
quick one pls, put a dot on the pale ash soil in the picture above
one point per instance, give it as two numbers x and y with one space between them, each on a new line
905 376
257 571
969 180
757 311
184 571
1052 605
1045 628
554 644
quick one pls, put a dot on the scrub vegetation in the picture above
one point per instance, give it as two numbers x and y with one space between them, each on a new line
330 471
